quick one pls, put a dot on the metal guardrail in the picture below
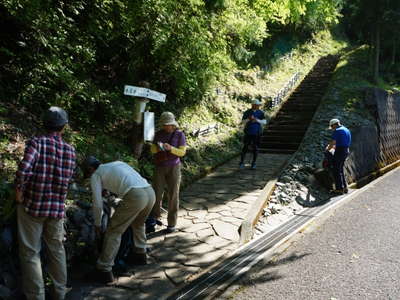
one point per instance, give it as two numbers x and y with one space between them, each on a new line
275 101
205 130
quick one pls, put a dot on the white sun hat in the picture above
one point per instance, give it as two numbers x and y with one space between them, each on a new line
168 118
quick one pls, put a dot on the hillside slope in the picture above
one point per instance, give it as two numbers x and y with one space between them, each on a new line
222 106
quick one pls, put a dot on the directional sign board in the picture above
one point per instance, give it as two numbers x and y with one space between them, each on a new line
148 126
136 91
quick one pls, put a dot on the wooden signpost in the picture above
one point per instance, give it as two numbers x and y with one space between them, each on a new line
136 91
140 116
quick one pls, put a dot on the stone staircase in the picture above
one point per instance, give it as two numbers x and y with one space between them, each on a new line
286 130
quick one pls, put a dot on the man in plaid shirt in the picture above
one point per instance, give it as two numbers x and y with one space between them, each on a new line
42 183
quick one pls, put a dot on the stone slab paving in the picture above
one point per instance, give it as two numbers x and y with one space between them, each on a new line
211 211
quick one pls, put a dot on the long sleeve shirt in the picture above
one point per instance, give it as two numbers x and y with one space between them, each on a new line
177 140
254 127
44 174
116 177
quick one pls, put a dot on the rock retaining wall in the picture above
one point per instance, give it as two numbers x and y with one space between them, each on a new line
375 127
378 144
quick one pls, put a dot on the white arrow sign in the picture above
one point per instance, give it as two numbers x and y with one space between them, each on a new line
136 91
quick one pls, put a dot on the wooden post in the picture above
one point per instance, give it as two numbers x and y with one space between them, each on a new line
137 128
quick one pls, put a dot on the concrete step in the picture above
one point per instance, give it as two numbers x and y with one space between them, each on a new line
292 146
281 139
286 130
277 151
286 127
296 116
276 133
300 109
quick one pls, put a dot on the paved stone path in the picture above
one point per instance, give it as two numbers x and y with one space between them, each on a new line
211 211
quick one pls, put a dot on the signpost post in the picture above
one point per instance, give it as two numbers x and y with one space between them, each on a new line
147 132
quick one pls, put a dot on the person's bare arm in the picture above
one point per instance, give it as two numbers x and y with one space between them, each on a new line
331 145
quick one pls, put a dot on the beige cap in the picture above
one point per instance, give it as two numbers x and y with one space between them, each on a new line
333 122
168 118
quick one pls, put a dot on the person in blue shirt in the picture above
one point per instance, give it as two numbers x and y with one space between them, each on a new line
341 141
254 119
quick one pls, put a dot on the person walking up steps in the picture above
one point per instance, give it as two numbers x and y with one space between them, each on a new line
254 120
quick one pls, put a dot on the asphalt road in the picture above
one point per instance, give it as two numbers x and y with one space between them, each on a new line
354 254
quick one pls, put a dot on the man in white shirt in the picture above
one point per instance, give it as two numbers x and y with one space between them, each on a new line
137 202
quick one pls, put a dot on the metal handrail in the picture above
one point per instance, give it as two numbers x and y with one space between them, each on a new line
275 101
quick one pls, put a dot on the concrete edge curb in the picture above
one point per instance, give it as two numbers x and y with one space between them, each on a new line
309 226
246 228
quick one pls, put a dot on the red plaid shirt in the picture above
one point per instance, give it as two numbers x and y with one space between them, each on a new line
44 175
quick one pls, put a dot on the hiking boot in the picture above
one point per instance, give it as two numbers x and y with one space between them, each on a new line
103 277
345 190
137 259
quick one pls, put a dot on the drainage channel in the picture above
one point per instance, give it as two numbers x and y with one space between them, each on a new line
229 270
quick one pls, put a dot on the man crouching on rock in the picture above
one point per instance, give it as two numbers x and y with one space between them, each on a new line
137 202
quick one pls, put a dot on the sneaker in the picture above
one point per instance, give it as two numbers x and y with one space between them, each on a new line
103 277
151 224
345 190
137 259
253 166
170 229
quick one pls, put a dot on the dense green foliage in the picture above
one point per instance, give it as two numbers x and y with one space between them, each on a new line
79 54
377 23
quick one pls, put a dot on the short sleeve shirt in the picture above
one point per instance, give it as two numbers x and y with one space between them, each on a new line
342 136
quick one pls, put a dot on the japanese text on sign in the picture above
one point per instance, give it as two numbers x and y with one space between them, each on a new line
136 91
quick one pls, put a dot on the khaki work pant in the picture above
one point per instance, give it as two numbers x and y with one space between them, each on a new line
30 231
168 177
133 211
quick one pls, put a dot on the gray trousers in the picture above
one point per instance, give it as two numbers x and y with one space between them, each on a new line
30 232
169 178
133 211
